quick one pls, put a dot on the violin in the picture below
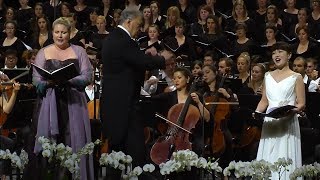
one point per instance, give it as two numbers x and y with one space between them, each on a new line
182 119
8 88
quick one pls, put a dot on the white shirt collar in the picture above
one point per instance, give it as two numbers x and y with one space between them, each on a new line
305 78
5 67
119 26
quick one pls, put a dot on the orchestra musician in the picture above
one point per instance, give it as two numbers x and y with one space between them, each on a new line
183 80
212 94
7 104
300 66
161 80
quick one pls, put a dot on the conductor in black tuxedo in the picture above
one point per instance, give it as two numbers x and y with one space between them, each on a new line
124 66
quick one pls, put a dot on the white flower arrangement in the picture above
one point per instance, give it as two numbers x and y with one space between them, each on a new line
64 155
16 161
257 169
185 160
310 170
123 162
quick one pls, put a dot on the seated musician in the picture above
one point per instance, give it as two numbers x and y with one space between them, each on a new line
210 77
6 107
299 66
29 56
182 79
163 77
11 59
225 67
257 76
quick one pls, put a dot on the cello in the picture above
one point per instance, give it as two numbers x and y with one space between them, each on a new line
220 110
182 119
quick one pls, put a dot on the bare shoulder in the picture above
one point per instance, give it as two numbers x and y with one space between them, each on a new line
297 75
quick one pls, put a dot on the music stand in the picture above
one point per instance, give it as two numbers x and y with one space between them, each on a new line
248 104
312 108
234 84
13 73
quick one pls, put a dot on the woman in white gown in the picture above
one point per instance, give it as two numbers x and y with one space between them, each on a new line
280 138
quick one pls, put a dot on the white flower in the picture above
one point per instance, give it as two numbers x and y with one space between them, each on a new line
202 163
60 146
68 149
148 168
137 170
46 153
127 159
121 167
46 146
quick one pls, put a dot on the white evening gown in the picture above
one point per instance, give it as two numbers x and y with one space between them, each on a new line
280 137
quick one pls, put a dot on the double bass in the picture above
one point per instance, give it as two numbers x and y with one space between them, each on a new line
182 119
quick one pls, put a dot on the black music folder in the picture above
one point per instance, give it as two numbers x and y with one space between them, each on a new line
62 74
276 112
14 73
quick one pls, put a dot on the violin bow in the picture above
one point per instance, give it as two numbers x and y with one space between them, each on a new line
20 75
161 117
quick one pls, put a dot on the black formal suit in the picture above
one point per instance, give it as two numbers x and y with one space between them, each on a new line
124 66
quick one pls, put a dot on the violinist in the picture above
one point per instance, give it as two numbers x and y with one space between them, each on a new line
182 78
7 105
211 78
225 67
11 59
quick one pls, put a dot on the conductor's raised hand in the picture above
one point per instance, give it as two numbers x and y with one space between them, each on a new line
152 51
168 55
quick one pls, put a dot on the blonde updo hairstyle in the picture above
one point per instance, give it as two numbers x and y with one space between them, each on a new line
62 21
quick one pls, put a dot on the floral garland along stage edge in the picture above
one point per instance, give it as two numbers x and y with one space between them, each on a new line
16 161
182 160
64 155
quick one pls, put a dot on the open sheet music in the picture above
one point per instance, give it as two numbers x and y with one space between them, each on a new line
65 73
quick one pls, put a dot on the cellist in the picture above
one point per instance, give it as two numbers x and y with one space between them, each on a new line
182 79
210 77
